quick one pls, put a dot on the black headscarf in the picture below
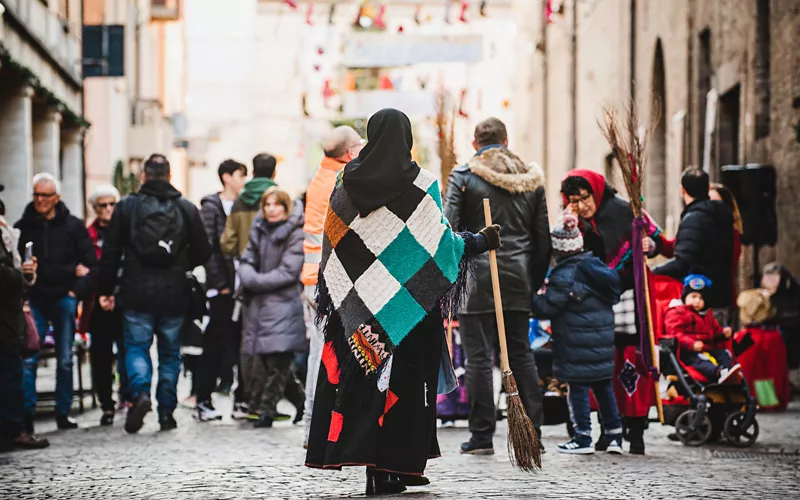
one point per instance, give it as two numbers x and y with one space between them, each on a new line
384 169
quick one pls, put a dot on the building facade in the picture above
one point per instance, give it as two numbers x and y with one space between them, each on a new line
41 122
718 81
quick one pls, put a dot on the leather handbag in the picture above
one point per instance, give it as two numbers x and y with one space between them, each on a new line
32 344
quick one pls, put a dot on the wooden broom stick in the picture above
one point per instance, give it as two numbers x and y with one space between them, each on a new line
651 332
523 442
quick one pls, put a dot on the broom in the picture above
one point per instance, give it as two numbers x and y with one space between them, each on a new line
629 145
523 442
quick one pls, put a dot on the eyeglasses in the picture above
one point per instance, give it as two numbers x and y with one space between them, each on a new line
111 204
44 195
583 199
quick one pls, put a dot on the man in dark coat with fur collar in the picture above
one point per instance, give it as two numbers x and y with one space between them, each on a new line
516 192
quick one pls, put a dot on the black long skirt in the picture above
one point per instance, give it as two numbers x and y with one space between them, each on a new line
392 431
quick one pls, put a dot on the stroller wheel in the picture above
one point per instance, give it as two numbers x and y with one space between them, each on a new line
693 437
738 436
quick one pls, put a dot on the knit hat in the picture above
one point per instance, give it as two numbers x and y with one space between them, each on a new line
566 236
695 283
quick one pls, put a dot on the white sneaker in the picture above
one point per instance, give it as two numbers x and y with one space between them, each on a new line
726 373
205 412
240 411
614 446
573 447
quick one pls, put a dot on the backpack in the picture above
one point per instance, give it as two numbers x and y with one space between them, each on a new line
158 231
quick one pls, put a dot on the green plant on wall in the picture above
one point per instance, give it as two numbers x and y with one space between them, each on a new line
125 184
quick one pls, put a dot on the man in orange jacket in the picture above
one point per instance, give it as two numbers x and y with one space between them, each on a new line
342 145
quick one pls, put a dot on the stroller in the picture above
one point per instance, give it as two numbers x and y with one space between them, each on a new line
703 410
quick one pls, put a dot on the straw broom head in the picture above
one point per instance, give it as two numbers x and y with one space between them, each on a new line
524 450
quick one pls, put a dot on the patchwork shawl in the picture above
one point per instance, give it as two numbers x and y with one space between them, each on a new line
382 274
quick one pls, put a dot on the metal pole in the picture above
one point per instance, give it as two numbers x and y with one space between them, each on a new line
573 153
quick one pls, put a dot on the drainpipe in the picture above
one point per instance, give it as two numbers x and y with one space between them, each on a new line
632 54
545 86
83 115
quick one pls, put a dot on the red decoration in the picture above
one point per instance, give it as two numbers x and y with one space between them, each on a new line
464 9
291 3
385 83
330 363
400 29
461 101
320 50
379 22
337 421
391 400
309 13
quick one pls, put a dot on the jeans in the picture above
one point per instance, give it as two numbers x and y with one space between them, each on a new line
479 338
317 342
61 314
12 402
106 330
140 328
580 412
220 333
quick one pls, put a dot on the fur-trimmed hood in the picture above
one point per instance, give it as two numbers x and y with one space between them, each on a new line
502 168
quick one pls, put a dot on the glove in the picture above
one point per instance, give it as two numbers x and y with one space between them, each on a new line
492 236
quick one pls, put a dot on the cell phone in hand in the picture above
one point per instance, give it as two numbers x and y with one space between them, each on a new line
28 251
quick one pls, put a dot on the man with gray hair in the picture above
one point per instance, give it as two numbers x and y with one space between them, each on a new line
342 145
66 260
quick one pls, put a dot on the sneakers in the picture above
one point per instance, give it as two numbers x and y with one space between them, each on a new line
732 373
167 422
136 413
65 423
614 444
473 447
240 411
107 419
264 422
579 445
205 412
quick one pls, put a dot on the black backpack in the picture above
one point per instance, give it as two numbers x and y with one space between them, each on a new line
158 231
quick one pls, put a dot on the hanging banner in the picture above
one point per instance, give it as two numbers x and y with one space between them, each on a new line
376 50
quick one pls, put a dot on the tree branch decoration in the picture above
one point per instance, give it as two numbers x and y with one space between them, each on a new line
445 125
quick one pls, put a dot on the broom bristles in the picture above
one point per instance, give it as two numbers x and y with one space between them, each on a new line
523 442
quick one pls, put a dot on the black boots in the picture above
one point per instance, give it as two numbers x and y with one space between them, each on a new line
65 423
634 434
383 483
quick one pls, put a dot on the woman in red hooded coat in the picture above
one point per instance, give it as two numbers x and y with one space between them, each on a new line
606 222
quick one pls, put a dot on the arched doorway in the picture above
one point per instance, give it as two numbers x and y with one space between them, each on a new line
656 173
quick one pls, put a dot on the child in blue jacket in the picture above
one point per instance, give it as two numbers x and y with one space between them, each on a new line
578 297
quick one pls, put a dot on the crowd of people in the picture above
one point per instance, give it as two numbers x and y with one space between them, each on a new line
359 274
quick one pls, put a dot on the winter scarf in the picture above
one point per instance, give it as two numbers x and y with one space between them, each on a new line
382 274
254 189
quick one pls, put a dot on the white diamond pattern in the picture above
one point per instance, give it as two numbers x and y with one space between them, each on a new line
337 280
378 229
424 179
376 287
428 233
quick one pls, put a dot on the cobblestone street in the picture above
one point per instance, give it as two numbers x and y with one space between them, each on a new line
228 460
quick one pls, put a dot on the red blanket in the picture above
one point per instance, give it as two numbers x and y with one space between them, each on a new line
764 368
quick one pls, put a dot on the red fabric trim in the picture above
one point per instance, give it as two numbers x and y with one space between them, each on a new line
337 420
331 363
358 464
391 400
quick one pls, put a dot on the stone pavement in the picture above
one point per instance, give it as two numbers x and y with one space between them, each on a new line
231 460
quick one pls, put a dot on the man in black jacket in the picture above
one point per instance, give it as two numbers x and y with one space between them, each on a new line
704 240
162 237
516 192
66 258
222 333
15 276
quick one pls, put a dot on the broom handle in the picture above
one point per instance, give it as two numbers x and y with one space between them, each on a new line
651 333
498 301
450 331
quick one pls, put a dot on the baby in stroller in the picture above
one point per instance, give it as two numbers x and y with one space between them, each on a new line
701 339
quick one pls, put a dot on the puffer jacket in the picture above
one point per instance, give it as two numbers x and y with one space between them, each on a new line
219 268
60 244
270 274
12 321
688 326
516 192
705 240
578 299
145 288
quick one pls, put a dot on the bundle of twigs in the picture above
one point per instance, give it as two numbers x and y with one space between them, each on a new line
445 125
523 442
628 143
